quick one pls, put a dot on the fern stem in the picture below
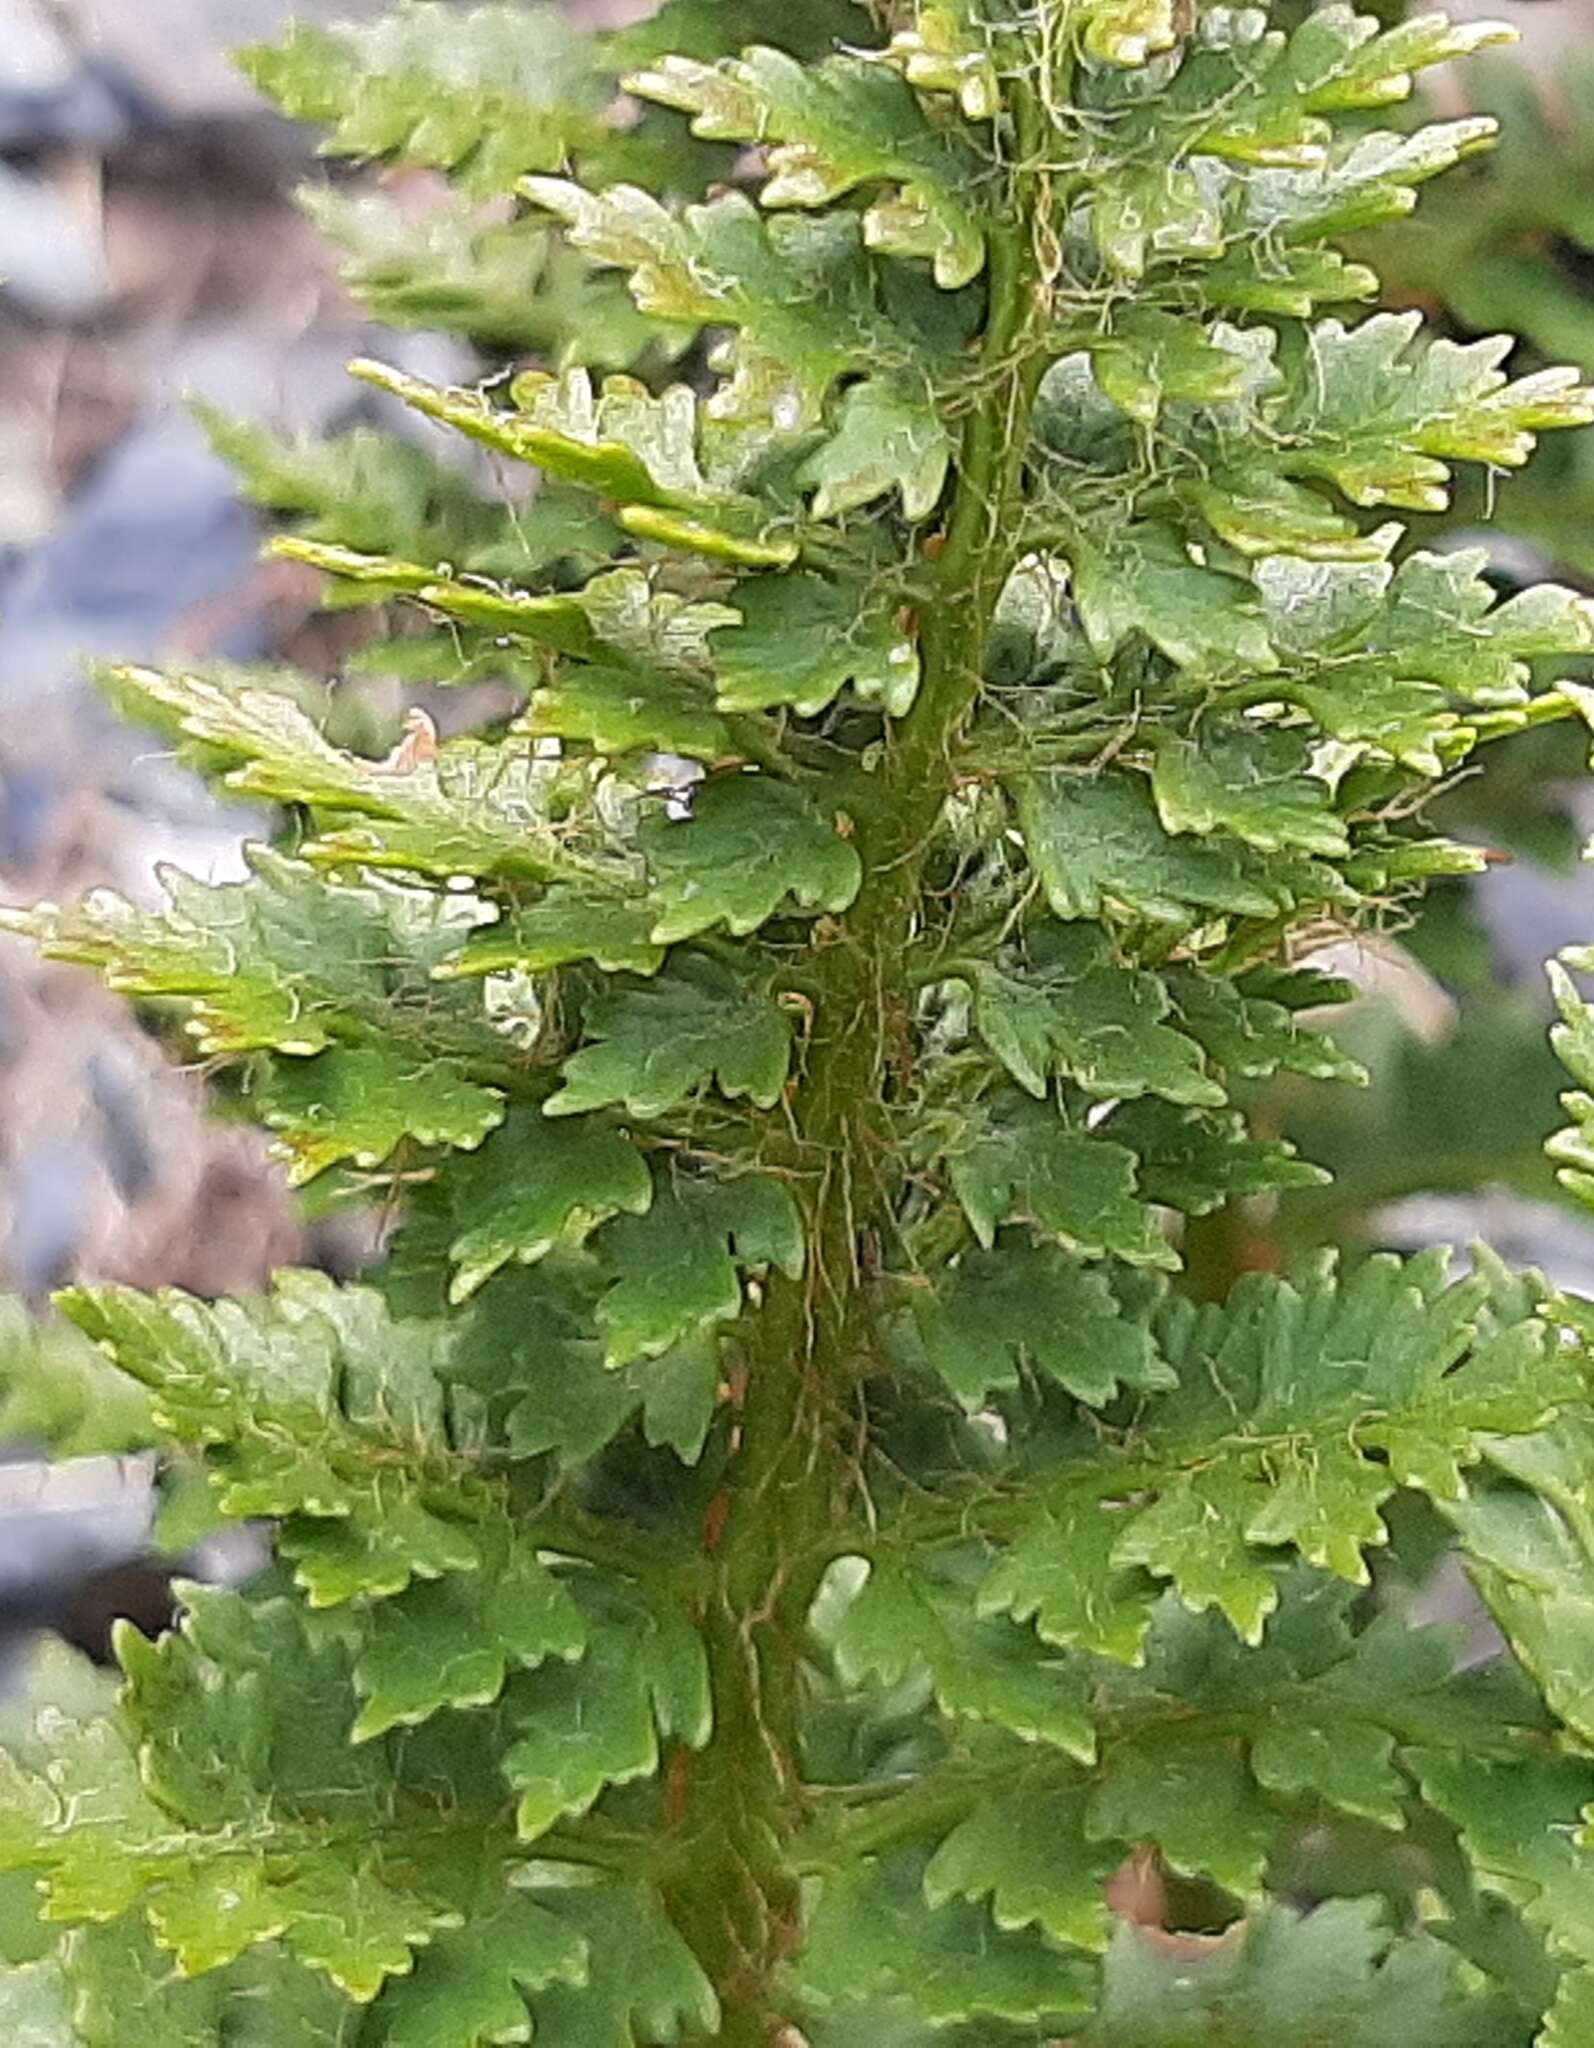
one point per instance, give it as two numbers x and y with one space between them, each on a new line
734 1882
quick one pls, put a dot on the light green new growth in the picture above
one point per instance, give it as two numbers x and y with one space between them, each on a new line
779 1533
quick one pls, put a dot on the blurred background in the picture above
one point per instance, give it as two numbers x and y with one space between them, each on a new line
162 247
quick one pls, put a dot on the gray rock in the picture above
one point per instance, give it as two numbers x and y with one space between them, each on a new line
50 263
157 535
302 384
1530 913
158 531
1542 1235
53 1203
174 54
33 58
47 92
88 71
61 1522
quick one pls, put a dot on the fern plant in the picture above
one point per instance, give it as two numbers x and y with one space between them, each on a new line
776 1556
1474 1106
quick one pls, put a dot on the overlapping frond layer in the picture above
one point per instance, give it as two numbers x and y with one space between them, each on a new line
779 1549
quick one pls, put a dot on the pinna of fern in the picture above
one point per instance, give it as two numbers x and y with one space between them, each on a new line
777 1536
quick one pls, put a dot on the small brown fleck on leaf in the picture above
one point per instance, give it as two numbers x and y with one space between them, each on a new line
418 745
